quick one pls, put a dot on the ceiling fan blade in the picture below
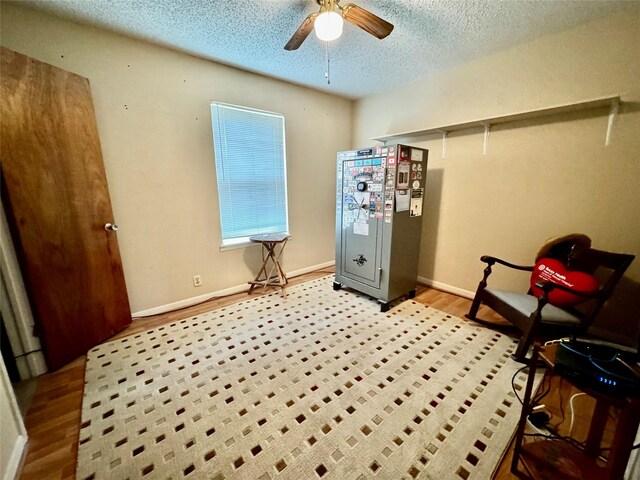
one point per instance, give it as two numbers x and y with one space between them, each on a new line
366 20
303 31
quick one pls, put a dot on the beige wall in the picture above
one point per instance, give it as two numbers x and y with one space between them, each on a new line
152 107
540 178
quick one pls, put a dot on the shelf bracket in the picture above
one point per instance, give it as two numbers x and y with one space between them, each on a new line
485 146
615 106
444 142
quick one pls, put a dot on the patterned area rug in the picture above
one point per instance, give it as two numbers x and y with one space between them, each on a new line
317 385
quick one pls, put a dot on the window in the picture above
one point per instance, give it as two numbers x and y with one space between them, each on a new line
251 169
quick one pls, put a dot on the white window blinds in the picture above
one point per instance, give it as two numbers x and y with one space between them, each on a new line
250 160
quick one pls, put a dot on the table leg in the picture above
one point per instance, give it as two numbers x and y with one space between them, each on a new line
270 256
623 439
284 276
273 276
263 269
596 429
524 413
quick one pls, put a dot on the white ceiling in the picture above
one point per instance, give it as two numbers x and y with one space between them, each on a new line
429 35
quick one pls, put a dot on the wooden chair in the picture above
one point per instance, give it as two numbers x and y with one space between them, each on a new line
535 317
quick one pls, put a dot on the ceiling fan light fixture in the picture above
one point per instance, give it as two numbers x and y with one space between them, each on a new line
328 26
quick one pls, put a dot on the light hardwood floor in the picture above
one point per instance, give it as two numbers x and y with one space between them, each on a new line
53 419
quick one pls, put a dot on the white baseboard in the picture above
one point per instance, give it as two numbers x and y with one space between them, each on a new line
188 302
447 288
15 460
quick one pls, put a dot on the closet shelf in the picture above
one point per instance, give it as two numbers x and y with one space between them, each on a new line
612 101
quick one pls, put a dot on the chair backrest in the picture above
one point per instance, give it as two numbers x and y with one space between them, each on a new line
561 248
607 267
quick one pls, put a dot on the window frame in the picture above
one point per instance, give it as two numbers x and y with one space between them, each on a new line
242 242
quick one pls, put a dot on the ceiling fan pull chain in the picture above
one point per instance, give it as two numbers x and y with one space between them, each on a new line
327 74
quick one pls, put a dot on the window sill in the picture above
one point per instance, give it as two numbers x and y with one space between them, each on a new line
247 243
224 248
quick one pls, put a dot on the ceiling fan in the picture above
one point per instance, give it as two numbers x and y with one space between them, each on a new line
328 23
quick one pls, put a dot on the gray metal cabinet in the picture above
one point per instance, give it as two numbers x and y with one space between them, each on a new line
379 200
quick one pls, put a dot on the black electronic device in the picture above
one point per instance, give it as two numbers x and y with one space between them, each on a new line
600 366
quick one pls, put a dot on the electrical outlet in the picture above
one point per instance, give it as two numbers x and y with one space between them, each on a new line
197 281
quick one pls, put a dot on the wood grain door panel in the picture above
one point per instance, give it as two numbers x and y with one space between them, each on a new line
56 195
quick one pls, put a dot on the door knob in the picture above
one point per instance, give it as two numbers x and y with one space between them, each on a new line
111 227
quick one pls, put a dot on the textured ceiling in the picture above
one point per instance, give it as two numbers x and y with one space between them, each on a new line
429 35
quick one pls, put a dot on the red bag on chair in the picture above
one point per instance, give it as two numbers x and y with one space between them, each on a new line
552 270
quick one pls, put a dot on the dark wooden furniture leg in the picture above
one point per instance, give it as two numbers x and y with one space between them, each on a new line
623 439
596 429
525 410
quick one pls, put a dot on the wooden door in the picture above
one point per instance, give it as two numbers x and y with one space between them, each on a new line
55 193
